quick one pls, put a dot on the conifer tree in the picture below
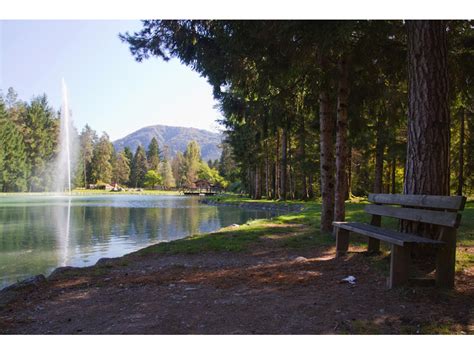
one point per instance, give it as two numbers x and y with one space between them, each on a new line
153 155
101 160
139 168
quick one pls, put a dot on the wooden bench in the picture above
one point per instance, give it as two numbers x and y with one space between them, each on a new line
441 211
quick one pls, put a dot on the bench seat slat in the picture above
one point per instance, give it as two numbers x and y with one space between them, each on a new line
386 235
447 219
455 203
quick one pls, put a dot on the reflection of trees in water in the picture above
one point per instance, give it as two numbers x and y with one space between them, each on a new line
41 230
29 240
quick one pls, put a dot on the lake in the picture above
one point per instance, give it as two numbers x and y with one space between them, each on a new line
39 233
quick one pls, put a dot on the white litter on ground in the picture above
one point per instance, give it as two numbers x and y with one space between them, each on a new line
350 279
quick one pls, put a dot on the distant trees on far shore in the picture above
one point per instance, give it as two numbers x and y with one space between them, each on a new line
29 137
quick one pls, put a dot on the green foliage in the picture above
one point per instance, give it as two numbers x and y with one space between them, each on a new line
40 130
192 162
13 157
139 168
121 169
152 179
212 175
178 165
267 77
167 174
101 166
153 155
87 140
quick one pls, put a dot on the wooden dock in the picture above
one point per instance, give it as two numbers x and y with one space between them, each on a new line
198 193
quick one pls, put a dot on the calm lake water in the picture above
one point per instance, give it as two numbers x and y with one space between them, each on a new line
40 233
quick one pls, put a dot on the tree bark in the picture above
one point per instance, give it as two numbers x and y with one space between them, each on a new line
258 189
341 141
267 173
349 175
277 165
379 149
302 158
427 165
283 163
326 156
310 187
461 154
394 169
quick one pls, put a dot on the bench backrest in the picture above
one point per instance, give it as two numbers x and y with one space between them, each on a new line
437 210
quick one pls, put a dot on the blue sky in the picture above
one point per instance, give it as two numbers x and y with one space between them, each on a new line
107 88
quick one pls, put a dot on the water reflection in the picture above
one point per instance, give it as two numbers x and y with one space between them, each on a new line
38 234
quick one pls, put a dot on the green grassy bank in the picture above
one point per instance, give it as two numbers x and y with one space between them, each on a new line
297 230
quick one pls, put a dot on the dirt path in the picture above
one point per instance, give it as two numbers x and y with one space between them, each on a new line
269 290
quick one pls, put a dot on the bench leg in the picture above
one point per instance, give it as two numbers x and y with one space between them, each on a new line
342 242
446 259
374 245
399 266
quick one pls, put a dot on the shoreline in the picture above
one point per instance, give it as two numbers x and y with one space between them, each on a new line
35 280
266 206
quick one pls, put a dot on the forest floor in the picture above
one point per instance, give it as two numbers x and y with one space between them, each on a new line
276 276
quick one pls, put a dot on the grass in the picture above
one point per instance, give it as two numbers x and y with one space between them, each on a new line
300 230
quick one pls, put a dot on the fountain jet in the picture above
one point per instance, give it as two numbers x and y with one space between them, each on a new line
63 163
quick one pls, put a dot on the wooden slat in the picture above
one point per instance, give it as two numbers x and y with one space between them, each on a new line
447 219
455 203
386 235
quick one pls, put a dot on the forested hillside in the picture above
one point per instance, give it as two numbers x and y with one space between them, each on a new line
174 139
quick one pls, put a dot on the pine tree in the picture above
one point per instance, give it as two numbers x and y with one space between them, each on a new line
13 164
88 138
40 134
139 168
101 160
167 174
153 155
121 169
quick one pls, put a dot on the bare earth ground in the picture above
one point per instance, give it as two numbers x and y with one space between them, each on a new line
267 290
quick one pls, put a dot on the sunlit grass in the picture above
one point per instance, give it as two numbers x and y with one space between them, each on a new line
300 230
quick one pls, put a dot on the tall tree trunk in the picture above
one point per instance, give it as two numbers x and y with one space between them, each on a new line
267 173
394 169
349 175
341 140
273 186
427 163
310 187
283 163
388 176
461 154
250 183
302 158
258 186
379 149
277 167
326 156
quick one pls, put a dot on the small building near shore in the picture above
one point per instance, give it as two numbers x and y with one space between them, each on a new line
203 185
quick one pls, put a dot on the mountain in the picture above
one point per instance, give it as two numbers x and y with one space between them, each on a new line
175 138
